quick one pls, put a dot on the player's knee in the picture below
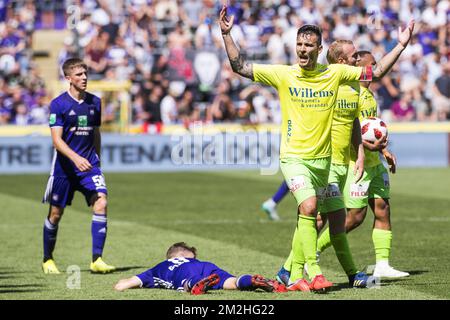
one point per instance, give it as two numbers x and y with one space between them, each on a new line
308 208
100 204
55 214
359 218
355 218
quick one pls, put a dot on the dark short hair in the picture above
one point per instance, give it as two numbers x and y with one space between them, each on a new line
309 29
363 53
72 63
180 246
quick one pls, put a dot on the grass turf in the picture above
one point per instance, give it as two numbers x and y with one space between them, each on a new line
219 213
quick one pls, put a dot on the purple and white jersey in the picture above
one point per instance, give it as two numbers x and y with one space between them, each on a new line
173 273
78 120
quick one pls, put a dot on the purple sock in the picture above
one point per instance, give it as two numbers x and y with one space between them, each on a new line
244 282
282 191
50 232
98 231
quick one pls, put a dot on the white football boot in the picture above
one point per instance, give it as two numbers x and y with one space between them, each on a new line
384 270
269 207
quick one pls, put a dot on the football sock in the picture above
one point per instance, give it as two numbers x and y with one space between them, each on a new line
324 240
288 263
308 234
297 262
282 191
244 282
50 233
98 231
343 252
382 243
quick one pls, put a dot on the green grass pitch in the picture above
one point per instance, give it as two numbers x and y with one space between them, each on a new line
219 213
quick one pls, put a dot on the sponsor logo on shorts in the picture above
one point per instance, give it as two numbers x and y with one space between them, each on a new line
359 190
321 193
333 191
55 197
296 183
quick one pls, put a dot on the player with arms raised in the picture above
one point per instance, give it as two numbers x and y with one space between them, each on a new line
75 118
307 92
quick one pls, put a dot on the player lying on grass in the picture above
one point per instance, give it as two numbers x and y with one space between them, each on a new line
183 272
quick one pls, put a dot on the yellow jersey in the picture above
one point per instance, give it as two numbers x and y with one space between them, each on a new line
368 108
345 113
307 100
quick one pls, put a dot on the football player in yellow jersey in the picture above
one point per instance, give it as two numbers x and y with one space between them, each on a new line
307 92
373 189
346 130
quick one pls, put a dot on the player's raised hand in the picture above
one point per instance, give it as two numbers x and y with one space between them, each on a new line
405 35
391 160
82 164
225 23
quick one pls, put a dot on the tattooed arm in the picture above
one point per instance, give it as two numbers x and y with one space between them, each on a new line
237 61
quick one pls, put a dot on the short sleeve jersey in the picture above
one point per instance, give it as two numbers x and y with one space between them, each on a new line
78 120
307 100
172 273
345 112
368 108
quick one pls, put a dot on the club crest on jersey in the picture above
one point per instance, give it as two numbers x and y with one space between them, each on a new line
82 121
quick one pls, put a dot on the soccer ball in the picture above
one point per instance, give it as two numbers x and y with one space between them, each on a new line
373 129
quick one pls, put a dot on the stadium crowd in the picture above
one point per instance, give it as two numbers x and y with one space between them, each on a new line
173 53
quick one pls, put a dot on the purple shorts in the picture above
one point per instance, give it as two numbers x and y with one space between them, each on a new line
60 190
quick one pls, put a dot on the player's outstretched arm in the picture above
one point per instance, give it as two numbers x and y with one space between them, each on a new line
238 64
129 283
81 163
386 63
358 145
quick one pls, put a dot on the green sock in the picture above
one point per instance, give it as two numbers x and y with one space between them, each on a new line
382 243
343 252
307 230
324 241
297 257
288 264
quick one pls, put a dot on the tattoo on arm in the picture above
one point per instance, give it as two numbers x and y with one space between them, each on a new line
244 68
378 70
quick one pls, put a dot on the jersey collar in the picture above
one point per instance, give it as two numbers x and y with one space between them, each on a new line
78 101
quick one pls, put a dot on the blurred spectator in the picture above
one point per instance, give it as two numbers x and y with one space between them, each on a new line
169 112
222 108
403 109
441 94
95 57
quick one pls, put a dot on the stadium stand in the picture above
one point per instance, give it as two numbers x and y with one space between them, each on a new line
173 55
